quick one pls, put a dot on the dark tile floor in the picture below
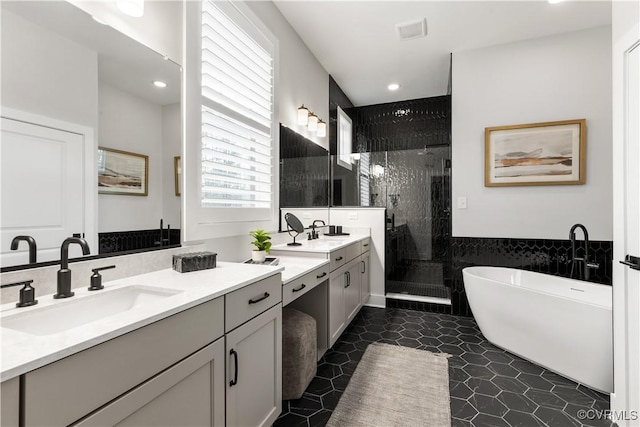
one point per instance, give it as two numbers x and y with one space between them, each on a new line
488 386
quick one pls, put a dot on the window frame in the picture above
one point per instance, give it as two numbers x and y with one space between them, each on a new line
344 148
200 222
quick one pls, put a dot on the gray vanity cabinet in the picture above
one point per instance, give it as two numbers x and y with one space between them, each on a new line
337 319
365 282
190 393
254 370
346 294
352 299
10 401
130 371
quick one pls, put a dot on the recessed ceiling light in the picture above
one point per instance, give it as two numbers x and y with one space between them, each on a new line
159 83
393 86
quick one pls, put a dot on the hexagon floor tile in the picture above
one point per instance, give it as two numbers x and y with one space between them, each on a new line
488 386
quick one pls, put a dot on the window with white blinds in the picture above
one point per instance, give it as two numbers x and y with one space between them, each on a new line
237 69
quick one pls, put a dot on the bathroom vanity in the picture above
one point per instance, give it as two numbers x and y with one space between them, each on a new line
345 291
159 361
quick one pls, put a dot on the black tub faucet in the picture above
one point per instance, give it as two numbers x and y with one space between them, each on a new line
584 259
32 246
64 274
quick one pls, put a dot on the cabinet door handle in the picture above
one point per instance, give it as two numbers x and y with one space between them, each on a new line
299 289
365 245
262 298
348 276
234 381
321 275
339 259
364 267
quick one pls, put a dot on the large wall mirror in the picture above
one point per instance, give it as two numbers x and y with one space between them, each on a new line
70 85
304 171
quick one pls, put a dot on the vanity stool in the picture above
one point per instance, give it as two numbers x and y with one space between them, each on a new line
299 352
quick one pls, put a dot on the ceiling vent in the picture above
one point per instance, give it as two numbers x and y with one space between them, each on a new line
412 29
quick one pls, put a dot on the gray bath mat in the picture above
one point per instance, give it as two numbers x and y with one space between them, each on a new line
396 386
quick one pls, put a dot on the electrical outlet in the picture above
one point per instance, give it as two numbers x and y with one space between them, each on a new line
353 215
462 203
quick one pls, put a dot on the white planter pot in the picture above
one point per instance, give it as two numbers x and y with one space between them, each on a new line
258 256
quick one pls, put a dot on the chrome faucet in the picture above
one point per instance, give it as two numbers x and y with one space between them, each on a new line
64 274
586 265
32 246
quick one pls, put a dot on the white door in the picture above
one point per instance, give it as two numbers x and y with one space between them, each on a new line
625 401
43 189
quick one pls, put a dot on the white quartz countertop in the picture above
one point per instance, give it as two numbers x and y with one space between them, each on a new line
324 244
23 352
295 267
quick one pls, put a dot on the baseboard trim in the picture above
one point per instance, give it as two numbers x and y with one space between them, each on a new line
378 301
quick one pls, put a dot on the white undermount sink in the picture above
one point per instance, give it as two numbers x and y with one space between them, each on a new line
79 311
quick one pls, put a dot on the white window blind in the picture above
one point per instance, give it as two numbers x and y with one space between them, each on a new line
237 113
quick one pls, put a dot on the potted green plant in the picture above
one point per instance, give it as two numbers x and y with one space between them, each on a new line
262 243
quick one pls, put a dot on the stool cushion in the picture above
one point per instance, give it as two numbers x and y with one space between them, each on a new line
299 352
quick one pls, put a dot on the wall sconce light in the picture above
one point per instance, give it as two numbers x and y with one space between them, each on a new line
312 126
303 115
311 121
133 8
322 129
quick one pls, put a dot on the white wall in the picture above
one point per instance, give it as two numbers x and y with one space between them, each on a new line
131 124
561 77
302 80
39 68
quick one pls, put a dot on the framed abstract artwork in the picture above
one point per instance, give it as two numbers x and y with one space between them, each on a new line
549 153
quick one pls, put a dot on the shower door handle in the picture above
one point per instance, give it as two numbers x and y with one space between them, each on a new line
631 261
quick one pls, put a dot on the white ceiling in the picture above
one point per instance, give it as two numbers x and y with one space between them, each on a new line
122 62
356 41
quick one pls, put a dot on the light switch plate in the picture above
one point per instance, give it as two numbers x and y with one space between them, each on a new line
353 215
462 203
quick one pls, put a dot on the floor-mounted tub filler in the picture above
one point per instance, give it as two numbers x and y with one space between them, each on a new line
561 324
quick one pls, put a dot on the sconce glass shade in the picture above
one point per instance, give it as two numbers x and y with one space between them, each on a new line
303 115
133 8
312 126
322 129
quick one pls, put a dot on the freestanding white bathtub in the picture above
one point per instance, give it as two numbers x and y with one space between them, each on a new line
561 324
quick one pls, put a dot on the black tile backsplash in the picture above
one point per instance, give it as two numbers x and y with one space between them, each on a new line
402 125
121 241
540 255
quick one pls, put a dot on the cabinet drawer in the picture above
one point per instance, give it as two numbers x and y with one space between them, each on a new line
304 284
246 303
64 391
353 251
365 245
338 258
